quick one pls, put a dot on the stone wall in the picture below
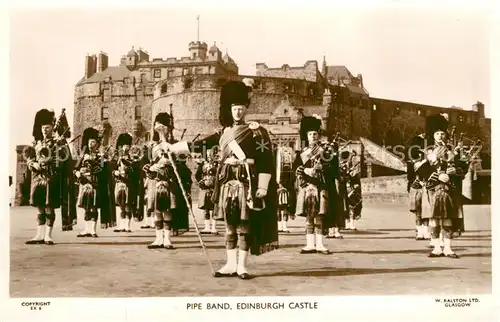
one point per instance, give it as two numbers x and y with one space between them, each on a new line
395 122
390 189
124 106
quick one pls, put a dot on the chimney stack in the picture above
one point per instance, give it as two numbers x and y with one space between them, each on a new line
90 65
102 62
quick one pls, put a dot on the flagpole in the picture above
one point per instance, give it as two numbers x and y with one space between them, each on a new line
198 34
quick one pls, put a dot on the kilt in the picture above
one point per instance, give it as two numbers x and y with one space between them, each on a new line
232 206
45 192
88 198
160 196
121 194
415 201
311 201
440 203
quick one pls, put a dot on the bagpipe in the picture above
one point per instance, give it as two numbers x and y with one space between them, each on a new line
322 154
465 154
54 152
456 152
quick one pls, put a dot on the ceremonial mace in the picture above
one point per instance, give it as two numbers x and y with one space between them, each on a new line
170 158
184 194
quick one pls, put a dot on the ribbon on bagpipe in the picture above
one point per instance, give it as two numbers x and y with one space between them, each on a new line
68 194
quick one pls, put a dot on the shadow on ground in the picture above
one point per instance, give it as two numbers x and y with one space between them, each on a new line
358 271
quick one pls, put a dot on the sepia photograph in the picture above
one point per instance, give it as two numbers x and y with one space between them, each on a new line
246 152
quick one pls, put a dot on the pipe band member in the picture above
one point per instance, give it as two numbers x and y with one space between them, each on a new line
244 193
45 159
205 176
440 199
313 172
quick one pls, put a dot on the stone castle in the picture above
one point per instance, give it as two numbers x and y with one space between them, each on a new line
127 97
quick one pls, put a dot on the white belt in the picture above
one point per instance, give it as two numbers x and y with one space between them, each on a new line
236 161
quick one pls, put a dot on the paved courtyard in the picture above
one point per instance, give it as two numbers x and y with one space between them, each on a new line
381 258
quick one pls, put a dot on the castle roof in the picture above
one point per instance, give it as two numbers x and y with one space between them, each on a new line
356 89
227 59
214 49
132 52
114 72
338 72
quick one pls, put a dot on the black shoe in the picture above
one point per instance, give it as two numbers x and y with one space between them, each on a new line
35 242
169 246
245 276
84 235
433 255
308 251
419 238
93 235
118 230
452 256
127 230
219 274
329 237
49 242
155 246
145 227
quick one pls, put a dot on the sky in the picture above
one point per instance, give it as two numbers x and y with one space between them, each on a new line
429 56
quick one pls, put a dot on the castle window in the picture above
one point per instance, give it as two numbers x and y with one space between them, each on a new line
194 55
419 112
157 73
138 112
460 118
374 107
164 88
185 71
170 74
104 113
198 71
285 111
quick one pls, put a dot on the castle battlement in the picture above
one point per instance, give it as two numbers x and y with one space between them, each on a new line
271 85
308 71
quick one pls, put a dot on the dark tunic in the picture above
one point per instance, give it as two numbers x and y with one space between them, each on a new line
96 188
52 185
163 189
331 197
46 182
443 200
129 185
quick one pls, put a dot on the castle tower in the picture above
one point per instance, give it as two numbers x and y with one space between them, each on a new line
132 59
215 52
198 49
324 68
